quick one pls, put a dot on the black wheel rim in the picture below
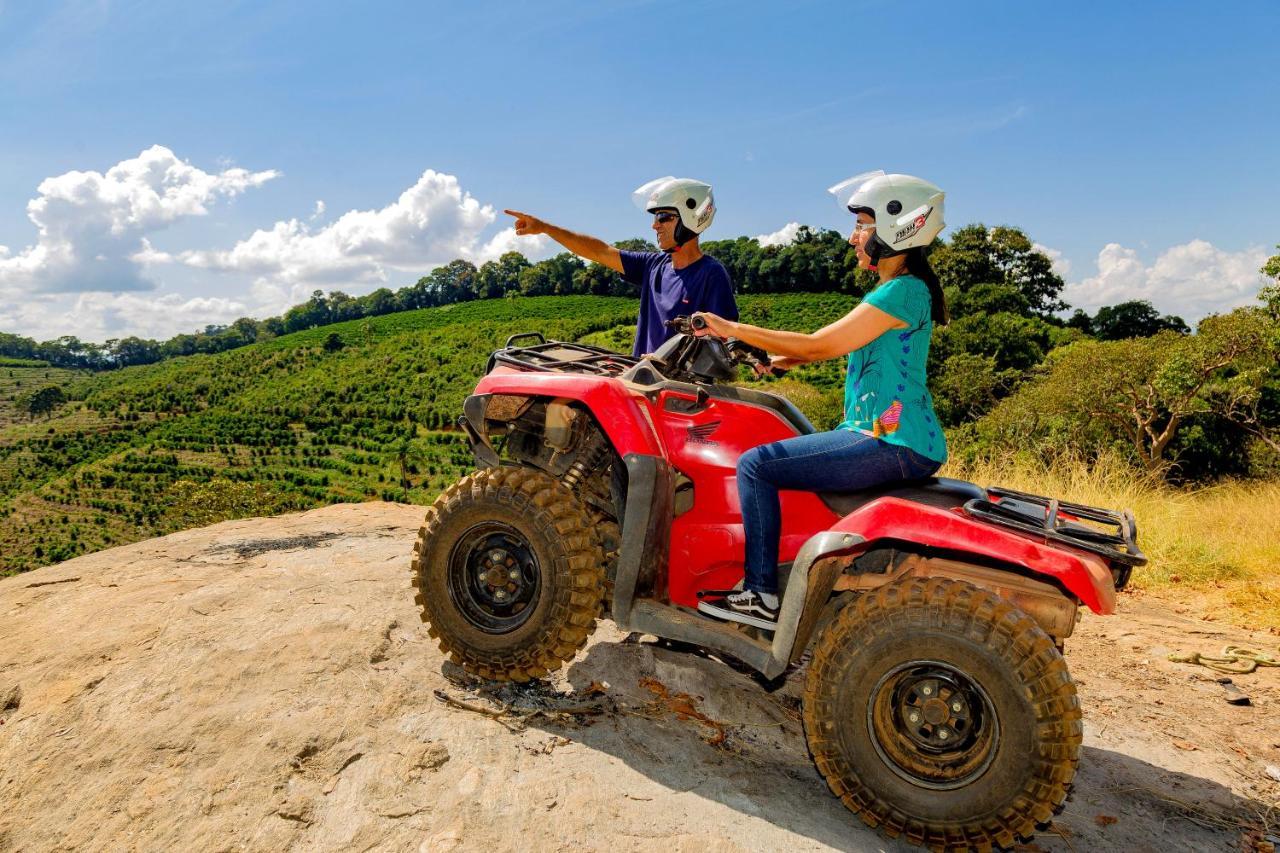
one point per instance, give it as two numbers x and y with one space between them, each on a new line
933 725
494 577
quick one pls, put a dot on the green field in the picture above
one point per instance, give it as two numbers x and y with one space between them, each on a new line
19 377
304 425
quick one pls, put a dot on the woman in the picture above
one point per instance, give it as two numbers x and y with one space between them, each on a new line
889 431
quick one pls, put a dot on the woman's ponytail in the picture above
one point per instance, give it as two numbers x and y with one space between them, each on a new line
918 266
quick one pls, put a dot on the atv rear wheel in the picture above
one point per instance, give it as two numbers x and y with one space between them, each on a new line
508 573
937 710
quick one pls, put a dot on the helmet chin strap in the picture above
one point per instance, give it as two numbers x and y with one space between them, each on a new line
681 235
877 249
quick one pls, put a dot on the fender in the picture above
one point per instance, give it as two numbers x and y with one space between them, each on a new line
1083 575
625 420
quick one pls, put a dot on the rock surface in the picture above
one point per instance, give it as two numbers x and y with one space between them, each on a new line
266 684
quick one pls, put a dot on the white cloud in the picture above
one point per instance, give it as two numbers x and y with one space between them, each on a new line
431 223
1061 265
102 316
1191 280
782 237
91 227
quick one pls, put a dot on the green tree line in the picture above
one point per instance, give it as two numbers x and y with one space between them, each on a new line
817 261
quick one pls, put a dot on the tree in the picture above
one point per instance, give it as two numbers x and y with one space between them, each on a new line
1139 391
454 282
979 255
1135 319
968 386
496 278
986 299
1270 294
381 301
333 342
314 312
132 350
44 401
1013 342
406 454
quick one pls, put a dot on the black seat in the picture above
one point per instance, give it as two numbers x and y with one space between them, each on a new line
934 491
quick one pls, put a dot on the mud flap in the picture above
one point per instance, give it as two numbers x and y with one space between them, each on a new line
472 423
646 534
808 588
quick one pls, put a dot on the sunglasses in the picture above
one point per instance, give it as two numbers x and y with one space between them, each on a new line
665 217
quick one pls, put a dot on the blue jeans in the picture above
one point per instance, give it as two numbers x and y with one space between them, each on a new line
841 460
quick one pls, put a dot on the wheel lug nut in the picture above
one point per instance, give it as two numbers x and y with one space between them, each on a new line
500 594
913 717
956 707
927 690
514 574
943 734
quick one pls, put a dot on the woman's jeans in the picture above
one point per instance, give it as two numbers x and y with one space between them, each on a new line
838 461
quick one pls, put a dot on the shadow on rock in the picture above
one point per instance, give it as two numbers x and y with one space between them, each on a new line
1123 802
690 723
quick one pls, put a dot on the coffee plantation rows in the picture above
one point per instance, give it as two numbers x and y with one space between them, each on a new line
19 379
300 419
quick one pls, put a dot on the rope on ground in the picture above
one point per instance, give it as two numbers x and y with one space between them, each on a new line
1233 659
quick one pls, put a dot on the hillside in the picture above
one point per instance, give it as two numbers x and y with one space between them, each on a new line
288 423
19 377
266 684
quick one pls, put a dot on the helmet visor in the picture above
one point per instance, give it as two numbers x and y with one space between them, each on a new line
849 187
643 196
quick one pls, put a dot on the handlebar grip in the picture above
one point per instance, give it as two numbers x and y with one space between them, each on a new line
697 322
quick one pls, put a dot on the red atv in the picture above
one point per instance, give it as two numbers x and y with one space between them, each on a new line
937 703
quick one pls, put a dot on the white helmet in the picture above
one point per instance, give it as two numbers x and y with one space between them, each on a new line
691 199
907 210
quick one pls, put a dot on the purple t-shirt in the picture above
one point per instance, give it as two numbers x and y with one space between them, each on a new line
666 293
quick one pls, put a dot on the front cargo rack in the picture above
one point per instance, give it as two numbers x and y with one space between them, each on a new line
560 357
1112 534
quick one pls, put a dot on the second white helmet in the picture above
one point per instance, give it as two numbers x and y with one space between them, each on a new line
691 199
908 210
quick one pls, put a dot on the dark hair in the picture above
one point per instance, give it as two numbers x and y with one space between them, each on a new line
918 266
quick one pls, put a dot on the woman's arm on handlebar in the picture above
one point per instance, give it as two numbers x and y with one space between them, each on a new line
853 331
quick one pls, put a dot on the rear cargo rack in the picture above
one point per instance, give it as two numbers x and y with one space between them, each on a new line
560 357
1114 537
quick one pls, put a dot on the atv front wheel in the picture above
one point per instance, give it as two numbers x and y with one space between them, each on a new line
937 710
508 573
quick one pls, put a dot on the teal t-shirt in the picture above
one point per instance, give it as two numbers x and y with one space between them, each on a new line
885 394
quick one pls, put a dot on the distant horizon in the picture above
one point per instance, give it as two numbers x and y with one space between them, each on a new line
165 173
783 237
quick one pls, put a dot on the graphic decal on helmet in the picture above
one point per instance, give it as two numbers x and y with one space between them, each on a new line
916 225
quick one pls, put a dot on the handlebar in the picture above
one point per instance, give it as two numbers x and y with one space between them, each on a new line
740 352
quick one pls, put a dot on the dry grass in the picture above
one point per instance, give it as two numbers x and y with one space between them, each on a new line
1214 549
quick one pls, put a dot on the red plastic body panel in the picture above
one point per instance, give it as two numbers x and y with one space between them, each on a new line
708 542
1084 574
708 545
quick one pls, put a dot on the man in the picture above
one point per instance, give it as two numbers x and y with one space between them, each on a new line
677 280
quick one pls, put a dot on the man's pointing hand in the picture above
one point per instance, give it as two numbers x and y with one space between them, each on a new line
526 225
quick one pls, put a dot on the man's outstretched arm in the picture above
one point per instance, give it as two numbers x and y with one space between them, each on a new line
583 245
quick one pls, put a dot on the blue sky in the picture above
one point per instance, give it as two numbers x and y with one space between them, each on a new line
1136 142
